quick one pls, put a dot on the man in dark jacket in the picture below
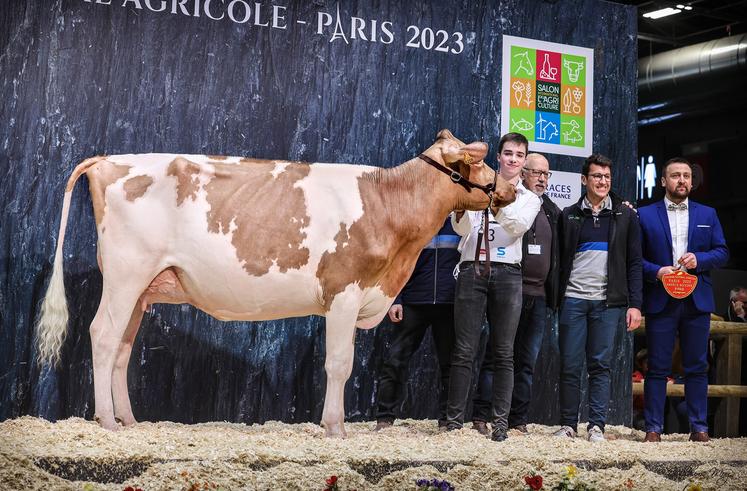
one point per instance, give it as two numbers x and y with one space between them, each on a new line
600 281
539 267
426 300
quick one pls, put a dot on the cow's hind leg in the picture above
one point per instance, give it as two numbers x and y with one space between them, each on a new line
340 337
120 394
107 331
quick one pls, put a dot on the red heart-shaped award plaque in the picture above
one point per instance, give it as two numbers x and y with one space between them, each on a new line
679 284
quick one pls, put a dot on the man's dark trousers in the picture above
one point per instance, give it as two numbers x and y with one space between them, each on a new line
409 333
678 317
498 295
527 345
532 327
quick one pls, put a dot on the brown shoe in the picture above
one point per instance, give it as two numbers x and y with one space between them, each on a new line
520 428
652 437
699 436
481 427
383 424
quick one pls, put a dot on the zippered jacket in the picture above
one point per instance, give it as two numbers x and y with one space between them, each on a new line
432 281
624 262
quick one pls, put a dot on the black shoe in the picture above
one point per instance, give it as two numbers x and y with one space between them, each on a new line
499 435
481 427
383 424
453 427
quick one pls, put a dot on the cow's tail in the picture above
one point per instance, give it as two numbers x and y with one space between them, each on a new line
52 327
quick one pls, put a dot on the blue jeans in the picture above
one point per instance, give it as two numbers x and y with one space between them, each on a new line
678 317
586 331
499 297
527 344
532 327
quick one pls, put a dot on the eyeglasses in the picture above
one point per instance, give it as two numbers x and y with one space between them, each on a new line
537 172
601 177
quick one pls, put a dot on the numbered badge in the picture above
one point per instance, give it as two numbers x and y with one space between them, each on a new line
679 284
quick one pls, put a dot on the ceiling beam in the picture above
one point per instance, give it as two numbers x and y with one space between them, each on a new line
643 36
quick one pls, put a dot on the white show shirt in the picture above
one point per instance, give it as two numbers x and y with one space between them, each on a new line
678 225
506 228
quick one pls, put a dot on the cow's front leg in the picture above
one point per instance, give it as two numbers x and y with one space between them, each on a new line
340 336
120 394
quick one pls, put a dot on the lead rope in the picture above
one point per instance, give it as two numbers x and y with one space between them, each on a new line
485 235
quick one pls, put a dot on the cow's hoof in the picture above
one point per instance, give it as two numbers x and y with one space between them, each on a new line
126 420
336 431
107 423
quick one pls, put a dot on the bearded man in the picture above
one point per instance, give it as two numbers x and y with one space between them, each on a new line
677 233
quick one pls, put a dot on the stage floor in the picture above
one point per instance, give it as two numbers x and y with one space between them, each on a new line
77 454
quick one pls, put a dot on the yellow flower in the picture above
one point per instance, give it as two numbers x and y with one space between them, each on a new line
694 486
571 471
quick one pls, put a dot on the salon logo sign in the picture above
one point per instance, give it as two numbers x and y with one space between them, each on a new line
547 95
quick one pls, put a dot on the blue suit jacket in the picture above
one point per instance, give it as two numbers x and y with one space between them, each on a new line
705 239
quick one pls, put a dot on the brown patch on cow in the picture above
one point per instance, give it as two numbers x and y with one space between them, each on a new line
101 176
374 250
187 180
268 212
135 187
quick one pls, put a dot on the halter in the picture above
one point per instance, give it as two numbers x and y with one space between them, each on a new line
488 189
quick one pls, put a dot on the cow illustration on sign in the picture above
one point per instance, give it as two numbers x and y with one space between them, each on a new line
573 69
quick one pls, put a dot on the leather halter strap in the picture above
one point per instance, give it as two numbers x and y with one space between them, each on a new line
457 178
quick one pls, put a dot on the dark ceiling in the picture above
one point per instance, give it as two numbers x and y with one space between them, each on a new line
708 19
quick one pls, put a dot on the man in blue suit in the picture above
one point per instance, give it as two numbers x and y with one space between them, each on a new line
678 233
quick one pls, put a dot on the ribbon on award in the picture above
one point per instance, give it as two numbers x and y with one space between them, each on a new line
679 284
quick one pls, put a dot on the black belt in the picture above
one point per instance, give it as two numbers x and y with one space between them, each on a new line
510 265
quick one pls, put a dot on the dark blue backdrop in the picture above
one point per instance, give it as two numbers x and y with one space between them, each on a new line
84 78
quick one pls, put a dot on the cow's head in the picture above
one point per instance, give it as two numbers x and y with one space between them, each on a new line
467 160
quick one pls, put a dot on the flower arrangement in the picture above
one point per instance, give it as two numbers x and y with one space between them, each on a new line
570 481
434 485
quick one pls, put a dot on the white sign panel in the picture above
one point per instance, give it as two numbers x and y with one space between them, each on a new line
564 188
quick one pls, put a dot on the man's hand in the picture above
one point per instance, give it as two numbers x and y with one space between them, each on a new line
395 312
688 261
633 319
664 270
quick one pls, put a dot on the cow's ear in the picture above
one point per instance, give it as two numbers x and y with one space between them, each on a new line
469 154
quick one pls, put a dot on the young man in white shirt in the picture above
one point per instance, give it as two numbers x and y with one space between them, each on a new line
494 291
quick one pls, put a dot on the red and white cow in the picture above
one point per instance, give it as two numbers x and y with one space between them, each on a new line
246 239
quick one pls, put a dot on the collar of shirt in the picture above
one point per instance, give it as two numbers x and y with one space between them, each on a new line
606 204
